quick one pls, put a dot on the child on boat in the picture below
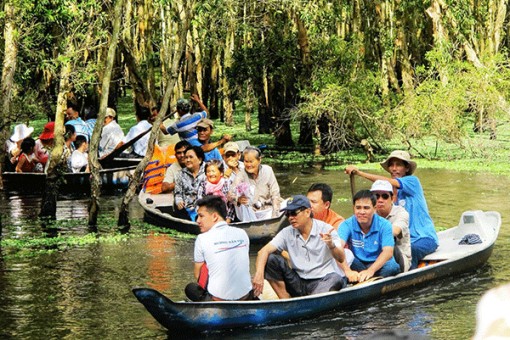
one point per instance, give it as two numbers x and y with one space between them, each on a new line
216 184
27 160
79 161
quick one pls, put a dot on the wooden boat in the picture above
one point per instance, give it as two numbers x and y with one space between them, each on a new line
32 182
450 258
158 209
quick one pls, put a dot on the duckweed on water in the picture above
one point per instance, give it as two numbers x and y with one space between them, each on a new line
31 245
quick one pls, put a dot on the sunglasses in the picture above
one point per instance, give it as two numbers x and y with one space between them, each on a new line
293 213
384 196
200 129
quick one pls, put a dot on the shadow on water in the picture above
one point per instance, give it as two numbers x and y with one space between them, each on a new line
85 290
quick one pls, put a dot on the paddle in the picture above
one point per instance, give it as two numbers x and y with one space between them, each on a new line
108 158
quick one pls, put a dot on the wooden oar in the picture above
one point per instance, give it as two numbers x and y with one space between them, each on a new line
108 158
353 183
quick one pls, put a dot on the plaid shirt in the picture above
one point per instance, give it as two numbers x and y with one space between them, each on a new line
187 186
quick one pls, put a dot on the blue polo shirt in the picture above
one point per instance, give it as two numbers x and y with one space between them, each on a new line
367 247
411 197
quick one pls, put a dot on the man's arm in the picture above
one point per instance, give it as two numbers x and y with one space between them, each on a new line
260 265
371 177
167 187
196 269
336 250
384 256
210 146
194 97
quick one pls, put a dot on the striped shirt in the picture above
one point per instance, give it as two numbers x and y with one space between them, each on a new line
185 127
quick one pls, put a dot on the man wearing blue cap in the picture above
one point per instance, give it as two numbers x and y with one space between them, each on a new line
313 248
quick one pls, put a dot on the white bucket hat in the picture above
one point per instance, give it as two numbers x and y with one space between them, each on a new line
21 132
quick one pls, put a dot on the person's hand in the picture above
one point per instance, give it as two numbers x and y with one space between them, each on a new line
326 237
243 200
180 205
350 169
233 163
258 283
352 276
226 138
365 275
194 97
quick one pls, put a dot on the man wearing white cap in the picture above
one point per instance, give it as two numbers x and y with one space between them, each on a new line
399 219
111 135
409 195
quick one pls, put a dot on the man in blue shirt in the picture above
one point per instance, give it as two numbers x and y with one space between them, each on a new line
73 118
370 238
205 129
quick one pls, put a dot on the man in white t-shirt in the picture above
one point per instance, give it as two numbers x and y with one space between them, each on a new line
168 184
139 148
225 251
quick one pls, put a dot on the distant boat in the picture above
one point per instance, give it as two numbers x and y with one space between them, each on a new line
450 259
159 208
113 177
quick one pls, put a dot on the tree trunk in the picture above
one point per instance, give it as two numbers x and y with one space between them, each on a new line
228 105
177 59
57 165
8 70
96 135
141 92
440 37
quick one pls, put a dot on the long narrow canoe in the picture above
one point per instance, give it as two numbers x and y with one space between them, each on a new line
158 211
449 259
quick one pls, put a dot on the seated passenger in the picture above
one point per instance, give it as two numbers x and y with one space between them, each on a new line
79 161
231 157
27 160
73 118
320 196
229 267
313 247
399 219
216 184
409 195
171 172
139 148
45 143
256 189
370 238
205 129
111 135
187 183
13 144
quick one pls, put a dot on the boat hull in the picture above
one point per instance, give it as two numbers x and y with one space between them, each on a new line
158 208
74 183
